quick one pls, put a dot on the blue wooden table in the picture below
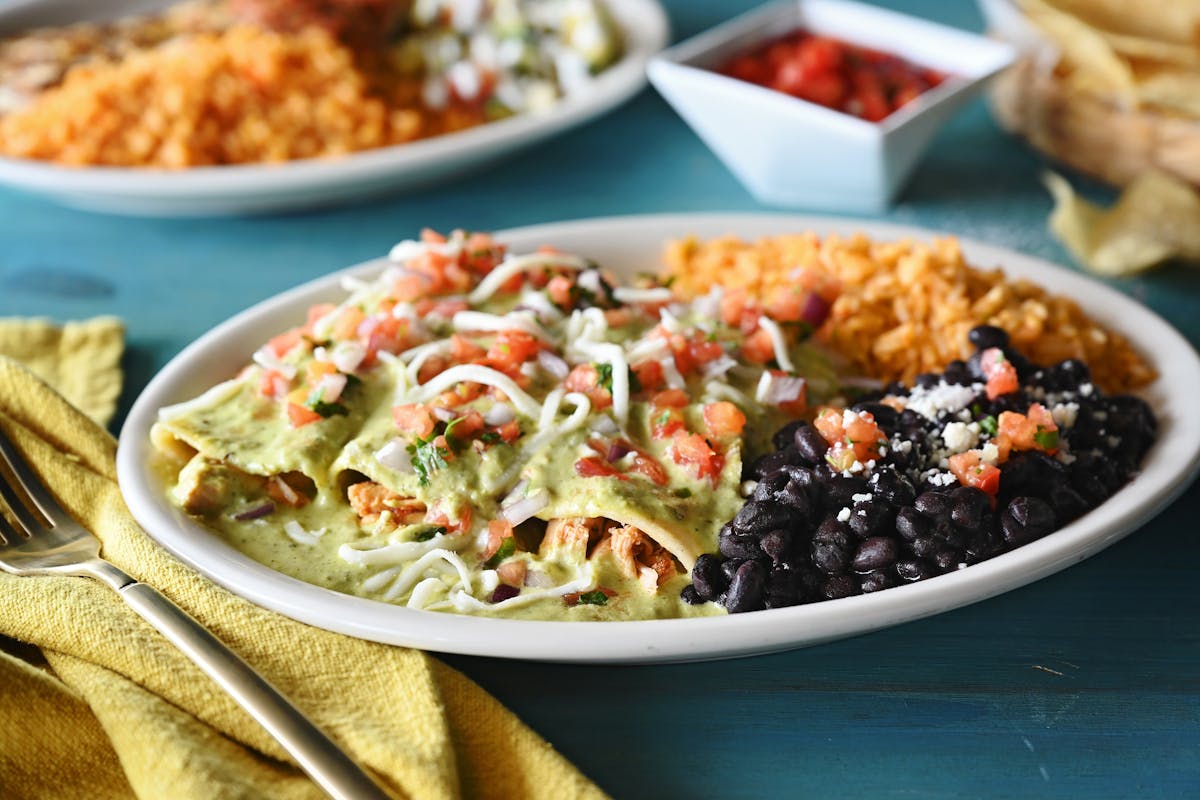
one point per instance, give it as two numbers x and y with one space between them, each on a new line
1082 685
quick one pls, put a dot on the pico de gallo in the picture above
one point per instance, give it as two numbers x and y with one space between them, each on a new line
855 80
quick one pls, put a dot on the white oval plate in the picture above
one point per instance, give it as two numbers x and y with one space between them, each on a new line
258 188
630 244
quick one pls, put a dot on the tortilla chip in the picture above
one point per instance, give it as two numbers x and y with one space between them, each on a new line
1168 21
1156 218
1093 64
82 360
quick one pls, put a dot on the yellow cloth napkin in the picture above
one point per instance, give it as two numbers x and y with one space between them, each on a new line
114 711
80 359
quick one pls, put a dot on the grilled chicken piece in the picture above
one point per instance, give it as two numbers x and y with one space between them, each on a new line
639 556
370 500
207 486
576 534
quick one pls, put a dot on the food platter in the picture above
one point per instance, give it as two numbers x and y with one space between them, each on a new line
628 245
312 183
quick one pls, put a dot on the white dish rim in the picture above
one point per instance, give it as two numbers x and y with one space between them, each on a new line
645 29
1169 468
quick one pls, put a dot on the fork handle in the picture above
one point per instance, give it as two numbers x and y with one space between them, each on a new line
316 753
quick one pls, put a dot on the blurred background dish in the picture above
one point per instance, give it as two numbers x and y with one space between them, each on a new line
527 69
842 139
1109 87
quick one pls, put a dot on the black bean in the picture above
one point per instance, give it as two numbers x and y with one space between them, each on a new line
927 380
829 557
504 592
985 336
914 570
840 490
871 518
946 560
956 372
760 516
1034 514
878 580
926 546
1068 504
933 504
834 530
776 544
894 488
910 523
968 506
729 568
691 596
785 435
771 462
746 589
875 553
708 578
784 588
885 416
740 545
810 444
839 586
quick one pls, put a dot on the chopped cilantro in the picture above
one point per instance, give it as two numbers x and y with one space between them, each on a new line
427 533
596 598
663 418
669 282
989 425
1046 439
604 376
508 546
489 437
635 385
683 492
427 458
352 380
327 410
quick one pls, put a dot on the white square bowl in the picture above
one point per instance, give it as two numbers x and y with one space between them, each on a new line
796 154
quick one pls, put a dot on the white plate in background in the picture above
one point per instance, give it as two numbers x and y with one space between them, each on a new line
628 245
310 183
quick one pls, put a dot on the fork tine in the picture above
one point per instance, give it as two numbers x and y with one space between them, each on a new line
8 533
28 480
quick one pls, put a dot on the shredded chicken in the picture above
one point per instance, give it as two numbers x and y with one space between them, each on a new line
575 534
371 500
639 556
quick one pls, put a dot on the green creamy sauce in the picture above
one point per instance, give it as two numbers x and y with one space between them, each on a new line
242 440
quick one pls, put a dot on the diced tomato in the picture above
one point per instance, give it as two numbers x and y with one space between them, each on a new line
596 467
649 375
300 415
1033 431
840 457
559 290
759 347
413 418
509 431
971 470
693 451
347 322
511 349
430 236
999 372
315 370
467 426
585 379
453 521
498 531
315 313
433 366
645 464
410 286
828 423
723 418
1045 436
859 436
282 344
618 317
464 351
670 398
272 384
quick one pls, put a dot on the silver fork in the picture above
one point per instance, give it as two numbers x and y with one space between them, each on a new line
46 540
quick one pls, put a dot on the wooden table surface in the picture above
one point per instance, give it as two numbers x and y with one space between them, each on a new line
1082 685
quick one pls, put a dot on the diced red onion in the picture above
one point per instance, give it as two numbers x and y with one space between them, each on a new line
332 386
538 580
526 507
618 449
553 364
347 356
780 389
504 592
258 512
816 310
499 414
444 414
367 326
516 494
395 455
